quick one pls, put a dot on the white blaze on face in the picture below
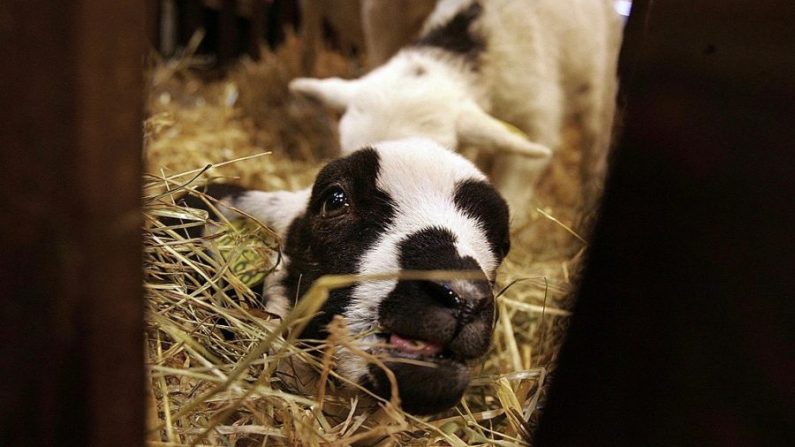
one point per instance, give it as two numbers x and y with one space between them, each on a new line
422 185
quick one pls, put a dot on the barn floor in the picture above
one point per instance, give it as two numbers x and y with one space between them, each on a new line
211 380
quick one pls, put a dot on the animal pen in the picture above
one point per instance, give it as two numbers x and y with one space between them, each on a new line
85 210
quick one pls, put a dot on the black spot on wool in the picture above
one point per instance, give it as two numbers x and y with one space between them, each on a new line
318 246
433 248
456 36
479 200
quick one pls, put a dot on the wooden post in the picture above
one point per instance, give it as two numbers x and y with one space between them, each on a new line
71 356
683 329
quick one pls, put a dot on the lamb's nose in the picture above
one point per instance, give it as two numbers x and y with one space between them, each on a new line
464 297
474 314
442 293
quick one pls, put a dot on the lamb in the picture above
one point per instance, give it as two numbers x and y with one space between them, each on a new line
500 75
400 205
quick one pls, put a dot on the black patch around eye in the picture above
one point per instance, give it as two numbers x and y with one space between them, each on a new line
456 36
316 246
357 173
479 200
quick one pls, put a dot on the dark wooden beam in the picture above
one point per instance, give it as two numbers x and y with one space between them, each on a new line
684 327
71 104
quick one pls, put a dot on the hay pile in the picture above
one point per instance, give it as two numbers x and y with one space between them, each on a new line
212 352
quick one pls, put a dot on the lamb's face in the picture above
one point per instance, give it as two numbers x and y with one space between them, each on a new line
407 97
418 93
403 205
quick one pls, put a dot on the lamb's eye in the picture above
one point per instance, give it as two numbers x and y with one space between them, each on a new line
335 203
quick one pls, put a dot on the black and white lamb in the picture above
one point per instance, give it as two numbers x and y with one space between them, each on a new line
394 206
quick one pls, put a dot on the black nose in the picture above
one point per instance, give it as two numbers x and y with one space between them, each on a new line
442 293
463 297
435 248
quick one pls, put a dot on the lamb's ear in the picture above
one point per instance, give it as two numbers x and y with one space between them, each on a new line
277 209
477 128
334 92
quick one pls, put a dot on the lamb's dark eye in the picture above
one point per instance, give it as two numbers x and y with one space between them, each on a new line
335 203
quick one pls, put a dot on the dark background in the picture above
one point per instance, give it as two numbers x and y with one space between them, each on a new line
683 330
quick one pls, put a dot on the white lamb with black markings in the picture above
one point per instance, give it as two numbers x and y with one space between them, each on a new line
480 70
400 205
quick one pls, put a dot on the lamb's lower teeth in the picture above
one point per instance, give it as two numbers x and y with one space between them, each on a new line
414 346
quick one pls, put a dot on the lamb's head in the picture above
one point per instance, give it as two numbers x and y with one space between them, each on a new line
418 93
396 206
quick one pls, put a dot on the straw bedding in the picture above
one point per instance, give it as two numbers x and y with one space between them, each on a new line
212 352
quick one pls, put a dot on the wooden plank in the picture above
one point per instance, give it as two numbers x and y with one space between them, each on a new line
72 350
683 330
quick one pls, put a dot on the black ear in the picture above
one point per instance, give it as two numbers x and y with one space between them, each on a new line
219 191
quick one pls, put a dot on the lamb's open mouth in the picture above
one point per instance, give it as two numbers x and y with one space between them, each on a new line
430 376
406 347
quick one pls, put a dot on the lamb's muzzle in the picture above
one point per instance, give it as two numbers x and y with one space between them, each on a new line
446 323
448 331
456 327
